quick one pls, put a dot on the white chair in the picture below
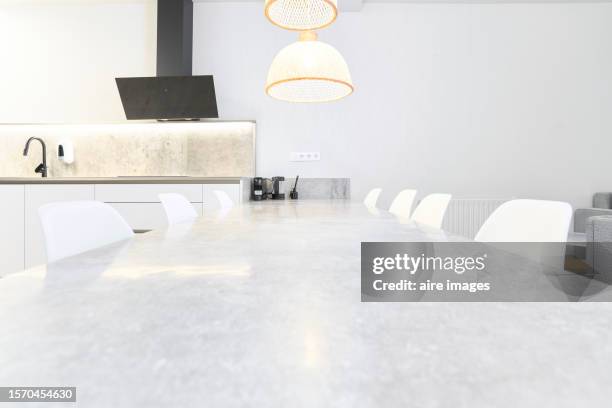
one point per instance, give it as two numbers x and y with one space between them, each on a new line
543 225
225 202
527 221
178 209
402 204
73 227
372 197
431 210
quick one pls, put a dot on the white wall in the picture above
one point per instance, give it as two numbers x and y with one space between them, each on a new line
480 100
493 100
60 58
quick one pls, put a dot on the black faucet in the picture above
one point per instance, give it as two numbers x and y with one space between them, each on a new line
42 167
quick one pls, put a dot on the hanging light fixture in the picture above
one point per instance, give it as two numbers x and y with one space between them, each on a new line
309 71
301 15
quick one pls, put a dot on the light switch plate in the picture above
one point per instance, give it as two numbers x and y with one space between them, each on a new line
305 156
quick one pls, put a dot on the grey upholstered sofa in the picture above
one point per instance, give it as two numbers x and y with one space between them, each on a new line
596 224
599 246
582 215
602 206
602 200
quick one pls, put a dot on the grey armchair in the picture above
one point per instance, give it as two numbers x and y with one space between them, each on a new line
582 215
602 206
602 200
599 246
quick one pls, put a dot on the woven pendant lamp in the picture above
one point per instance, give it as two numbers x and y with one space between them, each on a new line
309 71
301 15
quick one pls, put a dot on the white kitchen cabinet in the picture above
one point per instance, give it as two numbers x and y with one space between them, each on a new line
35 196
145 193
234 191
146 216
139 204
21 236
11 228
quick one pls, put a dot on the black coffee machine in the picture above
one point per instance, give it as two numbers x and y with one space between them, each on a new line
258 190
278 188
268 189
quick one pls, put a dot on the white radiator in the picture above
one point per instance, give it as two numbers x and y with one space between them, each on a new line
465 216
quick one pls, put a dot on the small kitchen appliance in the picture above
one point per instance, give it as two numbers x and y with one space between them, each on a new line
258 189
278 188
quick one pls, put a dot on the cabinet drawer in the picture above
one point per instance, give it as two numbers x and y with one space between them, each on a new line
145 193
146 216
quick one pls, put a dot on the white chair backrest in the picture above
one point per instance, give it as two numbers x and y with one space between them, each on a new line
402 204
73 227
178 208
225 202
534 229
372 197
431 210
527 221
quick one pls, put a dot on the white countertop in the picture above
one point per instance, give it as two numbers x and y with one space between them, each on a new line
123 180
261 308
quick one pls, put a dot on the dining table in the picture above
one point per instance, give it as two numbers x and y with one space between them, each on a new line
260 306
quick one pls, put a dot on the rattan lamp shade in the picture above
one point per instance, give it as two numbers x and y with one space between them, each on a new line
301 15
309 71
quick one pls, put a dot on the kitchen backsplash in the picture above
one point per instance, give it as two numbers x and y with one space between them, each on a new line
321 188
207 149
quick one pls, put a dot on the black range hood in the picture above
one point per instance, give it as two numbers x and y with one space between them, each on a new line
168 97
174 94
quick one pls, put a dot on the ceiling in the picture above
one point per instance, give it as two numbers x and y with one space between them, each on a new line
344 5
356 5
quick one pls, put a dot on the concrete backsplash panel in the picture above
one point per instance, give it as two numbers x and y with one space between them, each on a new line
209 149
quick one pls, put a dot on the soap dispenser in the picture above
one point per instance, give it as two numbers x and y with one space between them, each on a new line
65 151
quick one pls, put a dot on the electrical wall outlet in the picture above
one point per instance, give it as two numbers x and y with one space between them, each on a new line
305 156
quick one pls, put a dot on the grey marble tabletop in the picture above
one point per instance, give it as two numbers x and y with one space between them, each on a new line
261 307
